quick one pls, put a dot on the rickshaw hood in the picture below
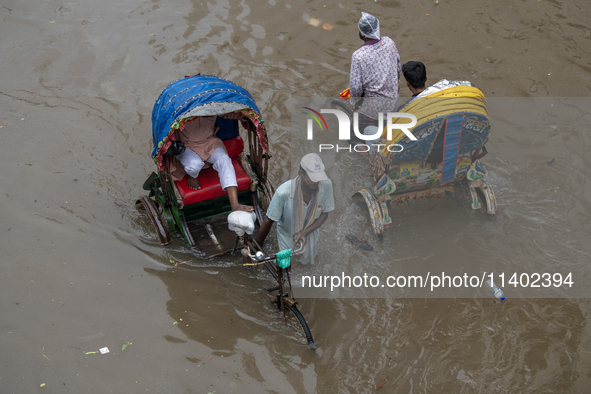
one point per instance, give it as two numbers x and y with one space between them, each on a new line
199 95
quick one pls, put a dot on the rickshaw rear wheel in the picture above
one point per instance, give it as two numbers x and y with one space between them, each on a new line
261 199
490 205
258 210
147 204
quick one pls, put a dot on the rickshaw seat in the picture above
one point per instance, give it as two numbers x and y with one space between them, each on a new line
210 181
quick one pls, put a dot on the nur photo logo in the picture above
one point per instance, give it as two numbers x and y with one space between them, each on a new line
344 130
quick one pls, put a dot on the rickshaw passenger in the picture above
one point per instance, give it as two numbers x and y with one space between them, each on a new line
202 146
415 74
299 222
375 71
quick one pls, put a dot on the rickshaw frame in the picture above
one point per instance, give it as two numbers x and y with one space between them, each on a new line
166 205
461 109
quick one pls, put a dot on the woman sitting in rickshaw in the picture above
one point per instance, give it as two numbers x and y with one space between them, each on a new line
198 135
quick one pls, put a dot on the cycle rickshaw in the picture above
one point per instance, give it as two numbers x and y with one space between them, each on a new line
452 129
200 217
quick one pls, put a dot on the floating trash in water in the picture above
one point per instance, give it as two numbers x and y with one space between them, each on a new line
315 22
379 386
104 350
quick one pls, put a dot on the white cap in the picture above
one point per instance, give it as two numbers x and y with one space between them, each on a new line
314 167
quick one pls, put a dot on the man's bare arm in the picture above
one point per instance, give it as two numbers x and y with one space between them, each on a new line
264 230
301 236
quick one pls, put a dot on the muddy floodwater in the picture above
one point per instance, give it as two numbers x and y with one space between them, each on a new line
82 270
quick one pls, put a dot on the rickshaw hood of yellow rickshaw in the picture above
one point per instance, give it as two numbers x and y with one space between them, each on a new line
441 103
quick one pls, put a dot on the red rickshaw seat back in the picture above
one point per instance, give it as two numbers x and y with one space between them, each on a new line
234 146
210 181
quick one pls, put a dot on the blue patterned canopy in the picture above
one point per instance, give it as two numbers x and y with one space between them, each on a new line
198 95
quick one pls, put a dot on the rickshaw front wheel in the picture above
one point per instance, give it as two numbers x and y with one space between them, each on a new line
294 309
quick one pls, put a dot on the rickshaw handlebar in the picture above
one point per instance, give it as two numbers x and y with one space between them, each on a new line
260 255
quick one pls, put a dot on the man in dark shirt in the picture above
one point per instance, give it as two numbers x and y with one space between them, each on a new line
415 74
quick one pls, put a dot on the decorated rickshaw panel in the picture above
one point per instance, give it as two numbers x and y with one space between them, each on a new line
474 133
